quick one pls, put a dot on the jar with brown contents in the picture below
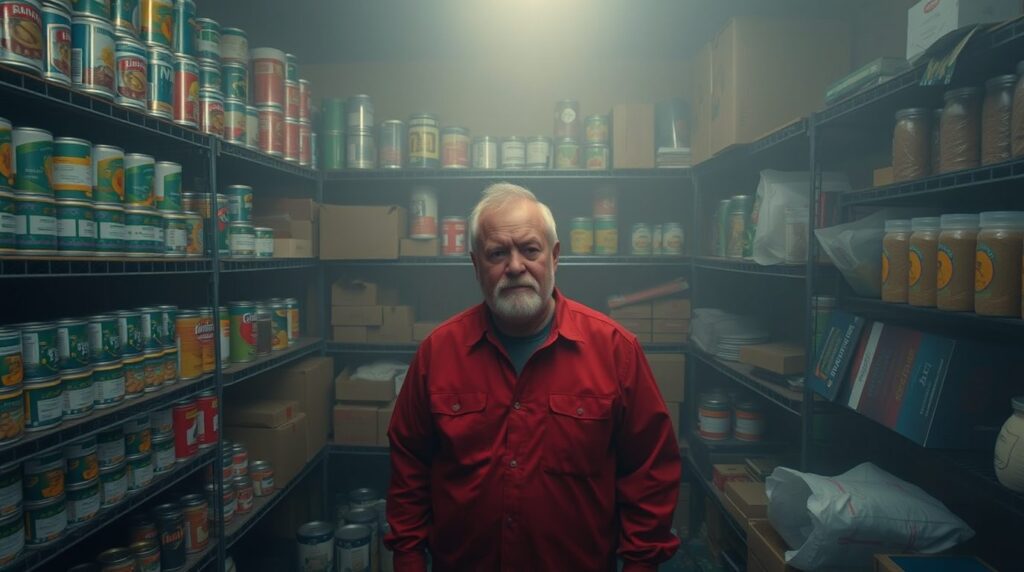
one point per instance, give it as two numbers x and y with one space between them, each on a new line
924 244
955 274
959 139
895 251
935 152
911 144
997 264
1017 122
996 113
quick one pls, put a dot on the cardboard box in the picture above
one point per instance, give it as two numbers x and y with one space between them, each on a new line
671 308
355 425
749 498
636 325
765 548
383 422
308 382
670 374
633 136
261 413
913 562
883 177
724 473
700 105
284 446
769 72
420 330
354 293
930 20
348 388
286 228
395 327
418 247
633 311
783 358
673 414
671 326
659 338
350 334
292 248
293 209
361 232
357 315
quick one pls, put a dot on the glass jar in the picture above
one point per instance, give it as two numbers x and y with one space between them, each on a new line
1009 453
959 139
911 144
997 264
895 253
1017 119
995 119
924 244
935 152
955 273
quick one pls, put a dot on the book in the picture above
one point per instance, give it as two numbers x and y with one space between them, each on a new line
835 355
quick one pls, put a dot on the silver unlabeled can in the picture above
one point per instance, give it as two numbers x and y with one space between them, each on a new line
485 152
316 546
538 152
513 153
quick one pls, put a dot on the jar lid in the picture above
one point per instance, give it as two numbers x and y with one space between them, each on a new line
1008 80
1002 219
1018 401
959 221
898 225
911 112
962 92
925 223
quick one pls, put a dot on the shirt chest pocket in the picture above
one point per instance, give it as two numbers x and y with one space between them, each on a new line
461 426
578 437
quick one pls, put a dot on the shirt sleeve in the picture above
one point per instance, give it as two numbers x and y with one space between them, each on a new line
411 434
648 469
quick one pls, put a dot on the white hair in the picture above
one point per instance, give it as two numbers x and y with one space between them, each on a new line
499 195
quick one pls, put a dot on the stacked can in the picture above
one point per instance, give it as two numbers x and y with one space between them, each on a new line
567 119
333 134
424 141
34 209
268 95
198 209
12 376
241 234
213 102
596 154
360 148
297 128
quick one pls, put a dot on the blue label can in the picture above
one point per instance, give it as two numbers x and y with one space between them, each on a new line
161 81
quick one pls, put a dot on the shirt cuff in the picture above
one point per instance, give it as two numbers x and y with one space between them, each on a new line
628 566
411 561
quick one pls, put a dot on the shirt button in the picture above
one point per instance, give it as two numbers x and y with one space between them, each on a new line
456 407
513 464
516 406
579 411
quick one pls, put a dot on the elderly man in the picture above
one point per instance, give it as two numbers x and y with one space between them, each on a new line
529 433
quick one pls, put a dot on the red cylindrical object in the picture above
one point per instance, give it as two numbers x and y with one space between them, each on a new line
305 96
186 429
271 130
291 140
453 235
209 419
305 144
292 100
267 69
185 100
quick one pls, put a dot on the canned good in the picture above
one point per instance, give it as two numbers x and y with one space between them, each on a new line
234 45
207 40
93 56
264 330
334 150
183 37
672 239
538 152
641 239
567 118
113 484
359 114
305 98
12 366
76 228
423 213
83 501
596 128
606 202
271 129
108 174
714 417
186 430
228 504
35 224
139 171
291 140
132 80
262 474
211 112
268 71
291 99
606 236
244 494
21 32
8 216
96 8
194 235
163 454
73 344
110 230
239 460
147 556
134 376
235 121
10 493
44 477
224 339
197 522
32 160
12 538
292 305
138 437
291 67
129 326
45 521
57 32
160 72
316 546
40 354
567 154
278 325
175 234
170 525
153 370
209 76
140 231
125 16
485 152
108 383
158 22
455 148
12 415
185 104
581 235
222 222
361 152
306 137
167 186
352 547
78 394
453 236
193 334
44 404
110 449
424 141
363 498
208 424
141 528
596 156
206 341
234 79
749 425
739 231
513 153
170 361
243 331
239 203
241 240
140 472
264 242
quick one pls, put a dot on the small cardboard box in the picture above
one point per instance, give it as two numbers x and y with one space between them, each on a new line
883 177
419 247
361 232
669 338
284 446
348 388
354 293
357 315
293 248
383 422
671 308
783 358
355 425
350 334
930 20
286 228
946 563
633 311
669 372
261 413
725 473
765 548
420 330
633 136
395 327
749 498
671 326
636 325
308 382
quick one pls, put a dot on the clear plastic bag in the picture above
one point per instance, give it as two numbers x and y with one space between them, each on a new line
777 192
856 250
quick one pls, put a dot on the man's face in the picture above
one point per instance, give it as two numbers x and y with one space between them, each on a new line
514 263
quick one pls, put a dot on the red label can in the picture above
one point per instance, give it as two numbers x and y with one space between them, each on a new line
291 140
305 144
305 96
292 100
209 419
186 429
271 130
453 235
186 91
211 116
268 76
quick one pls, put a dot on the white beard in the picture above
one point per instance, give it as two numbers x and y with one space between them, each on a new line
521 305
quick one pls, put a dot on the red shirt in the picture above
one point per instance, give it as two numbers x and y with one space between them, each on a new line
558 469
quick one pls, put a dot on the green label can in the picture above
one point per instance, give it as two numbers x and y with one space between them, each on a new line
57 37
76 228
153 370
140 472
12 414
606 236
234 79
35 224
222 224
45 522
32 161
234 121
242 316
108 174
108 384
161 81
78 393
81 462
158 22
8 220
114 484
140 231
134 376
10 491
73 344
83 502
154 330
12 538
170 336
163 454
170 362
129 328
12 367
104 338
139 171
110 448
264 242
278 325
44 404
581 236
241 240
92 45
595 156
98 8
209 76
110 230
292 304
167 186
195 237
138 437
72 169
44 477
239 203
208 40
567 154
184 33
39 351
175 234
291 68
125 15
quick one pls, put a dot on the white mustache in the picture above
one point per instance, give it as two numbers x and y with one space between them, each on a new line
506 284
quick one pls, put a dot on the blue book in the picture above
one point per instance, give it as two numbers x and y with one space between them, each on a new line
836 353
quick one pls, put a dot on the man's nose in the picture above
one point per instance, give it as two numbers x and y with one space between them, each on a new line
516 264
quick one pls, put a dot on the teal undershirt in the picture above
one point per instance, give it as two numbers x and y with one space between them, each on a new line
520 349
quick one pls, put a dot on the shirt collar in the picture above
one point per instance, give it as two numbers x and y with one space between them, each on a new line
564 324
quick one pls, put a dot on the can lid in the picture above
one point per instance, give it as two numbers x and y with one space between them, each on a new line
353 532
959 221
1007 80
194 499
316 528
76 372
925 223
115 556
897 225
70 140
144 547
1002 219
362 495
361 516
962 92
167 510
